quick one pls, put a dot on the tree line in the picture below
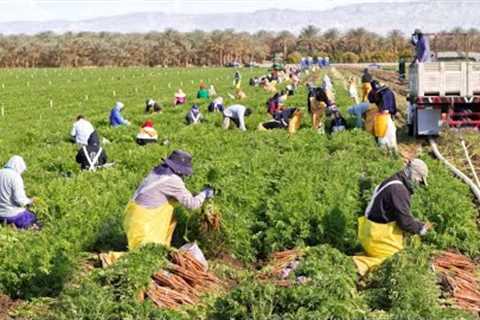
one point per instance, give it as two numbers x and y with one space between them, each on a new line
173 48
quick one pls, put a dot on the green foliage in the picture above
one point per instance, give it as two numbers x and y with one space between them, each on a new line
276 192
405 285
113 293
327 295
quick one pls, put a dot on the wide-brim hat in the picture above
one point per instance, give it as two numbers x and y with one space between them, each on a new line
180 162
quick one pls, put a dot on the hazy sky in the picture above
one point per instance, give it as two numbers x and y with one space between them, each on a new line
15 10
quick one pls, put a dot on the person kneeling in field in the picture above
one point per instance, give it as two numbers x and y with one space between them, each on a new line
81 130
116 118
216 105
180 98
149 216
194 116
237 114
13 200
203 92
388 216
92 156
151 106
318 102
338 121
281 120
147 134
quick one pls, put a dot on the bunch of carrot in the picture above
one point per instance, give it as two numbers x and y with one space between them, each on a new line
458 277
183 281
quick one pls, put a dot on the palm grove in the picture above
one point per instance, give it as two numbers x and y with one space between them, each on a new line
173 48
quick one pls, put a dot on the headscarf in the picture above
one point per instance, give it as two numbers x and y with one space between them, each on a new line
94 141
195 109
180 93
119 105
17 164
148 124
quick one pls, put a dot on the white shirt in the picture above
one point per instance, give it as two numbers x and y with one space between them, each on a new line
12 193
81 130
237 111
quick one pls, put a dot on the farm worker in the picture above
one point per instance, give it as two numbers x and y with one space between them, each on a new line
180 98
338 121
91 156
364 113
366 86
352 90
281 120
212 92
147 133
237 114
383 97
216 105
318 103
116 118
276 103
13 199
422 47
203 91
194 116
237 79
388 216
151 106
327 86
239 94
81 131
295 80
149 216
254 82
401 69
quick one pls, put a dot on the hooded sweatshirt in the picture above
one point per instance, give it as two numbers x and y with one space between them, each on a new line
12 190
116 118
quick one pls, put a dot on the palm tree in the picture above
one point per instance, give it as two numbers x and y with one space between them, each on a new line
309 38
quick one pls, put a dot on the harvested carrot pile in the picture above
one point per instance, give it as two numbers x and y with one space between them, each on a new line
459 280
280 265
183 282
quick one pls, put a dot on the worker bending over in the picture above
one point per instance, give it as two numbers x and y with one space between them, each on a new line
149 216
388 216
237 114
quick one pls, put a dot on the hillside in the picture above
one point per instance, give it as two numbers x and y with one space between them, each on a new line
377 17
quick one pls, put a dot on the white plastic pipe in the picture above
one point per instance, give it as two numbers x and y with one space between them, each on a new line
475 176
458 173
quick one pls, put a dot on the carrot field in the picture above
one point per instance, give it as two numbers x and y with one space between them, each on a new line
277 192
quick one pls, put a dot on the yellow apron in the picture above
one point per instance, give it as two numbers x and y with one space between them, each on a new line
295 122
318 111
144 225
381 124
366 88
370 119
379 241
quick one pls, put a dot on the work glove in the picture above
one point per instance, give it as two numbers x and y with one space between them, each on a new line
208 192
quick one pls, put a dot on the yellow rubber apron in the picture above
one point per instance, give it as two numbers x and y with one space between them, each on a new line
144 225
379 241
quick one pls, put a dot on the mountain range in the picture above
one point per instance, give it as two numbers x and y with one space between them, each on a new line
430 16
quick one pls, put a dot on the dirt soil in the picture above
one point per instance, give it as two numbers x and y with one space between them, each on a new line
6 305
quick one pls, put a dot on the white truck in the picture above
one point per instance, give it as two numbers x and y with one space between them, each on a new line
444 92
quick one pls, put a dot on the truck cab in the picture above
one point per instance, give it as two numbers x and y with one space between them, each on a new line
445 91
